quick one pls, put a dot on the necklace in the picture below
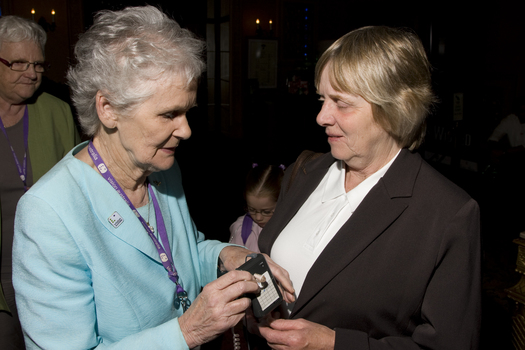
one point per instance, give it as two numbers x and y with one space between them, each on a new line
147 222
181 296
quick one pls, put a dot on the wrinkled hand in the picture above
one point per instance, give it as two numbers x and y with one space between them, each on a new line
232 257
217 308
297 334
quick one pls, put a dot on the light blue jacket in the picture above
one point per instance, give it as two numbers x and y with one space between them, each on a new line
81 283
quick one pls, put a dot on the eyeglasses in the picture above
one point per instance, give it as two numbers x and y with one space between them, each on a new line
22 66
264 212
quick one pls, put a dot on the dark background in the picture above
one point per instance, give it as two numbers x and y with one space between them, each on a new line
476 49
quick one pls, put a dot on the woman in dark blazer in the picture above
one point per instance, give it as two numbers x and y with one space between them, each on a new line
383 251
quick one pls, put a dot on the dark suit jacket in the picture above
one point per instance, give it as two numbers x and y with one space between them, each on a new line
403 272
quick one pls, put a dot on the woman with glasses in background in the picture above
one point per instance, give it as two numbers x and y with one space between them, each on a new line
37 131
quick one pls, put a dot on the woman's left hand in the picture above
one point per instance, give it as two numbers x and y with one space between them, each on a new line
232 257
219 306
297 334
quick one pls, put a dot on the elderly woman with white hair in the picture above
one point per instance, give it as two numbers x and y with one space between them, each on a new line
106 254
37 131
383 251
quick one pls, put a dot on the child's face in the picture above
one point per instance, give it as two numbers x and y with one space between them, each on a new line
260 208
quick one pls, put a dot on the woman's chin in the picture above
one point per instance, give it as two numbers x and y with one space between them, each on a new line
160 166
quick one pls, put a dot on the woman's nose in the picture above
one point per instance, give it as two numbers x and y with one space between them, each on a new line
31 72
325 115
183 130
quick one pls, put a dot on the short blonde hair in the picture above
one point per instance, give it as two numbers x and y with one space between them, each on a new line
387 67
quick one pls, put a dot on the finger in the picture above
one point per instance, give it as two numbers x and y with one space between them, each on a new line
238 306
232 321
232 277
233 257
238 290
281 275
217 299
284 282
273 337
287 325
289 298
277 346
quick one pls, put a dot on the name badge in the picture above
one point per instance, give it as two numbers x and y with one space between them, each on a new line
115 219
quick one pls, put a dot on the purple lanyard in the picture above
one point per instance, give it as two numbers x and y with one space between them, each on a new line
247 224
164 253
22 169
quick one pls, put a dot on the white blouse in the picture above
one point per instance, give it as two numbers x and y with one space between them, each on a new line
318 220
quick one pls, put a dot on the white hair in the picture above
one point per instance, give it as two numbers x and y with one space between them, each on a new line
15 29
123 54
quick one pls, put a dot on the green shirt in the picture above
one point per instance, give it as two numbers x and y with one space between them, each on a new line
52 133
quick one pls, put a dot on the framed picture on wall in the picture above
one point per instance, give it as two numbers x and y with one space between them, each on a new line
262 62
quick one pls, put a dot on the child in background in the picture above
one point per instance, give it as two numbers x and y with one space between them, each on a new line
261 192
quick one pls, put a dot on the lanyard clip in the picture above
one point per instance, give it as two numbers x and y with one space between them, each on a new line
182 299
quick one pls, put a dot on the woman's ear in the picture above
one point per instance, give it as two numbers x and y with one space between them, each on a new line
106 113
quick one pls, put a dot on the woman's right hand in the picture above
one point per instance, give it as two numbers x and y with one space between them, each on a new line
217 308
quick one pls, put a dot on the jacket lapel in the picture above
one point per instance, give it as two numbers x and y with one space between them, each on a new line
295 198
382 206
106 202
